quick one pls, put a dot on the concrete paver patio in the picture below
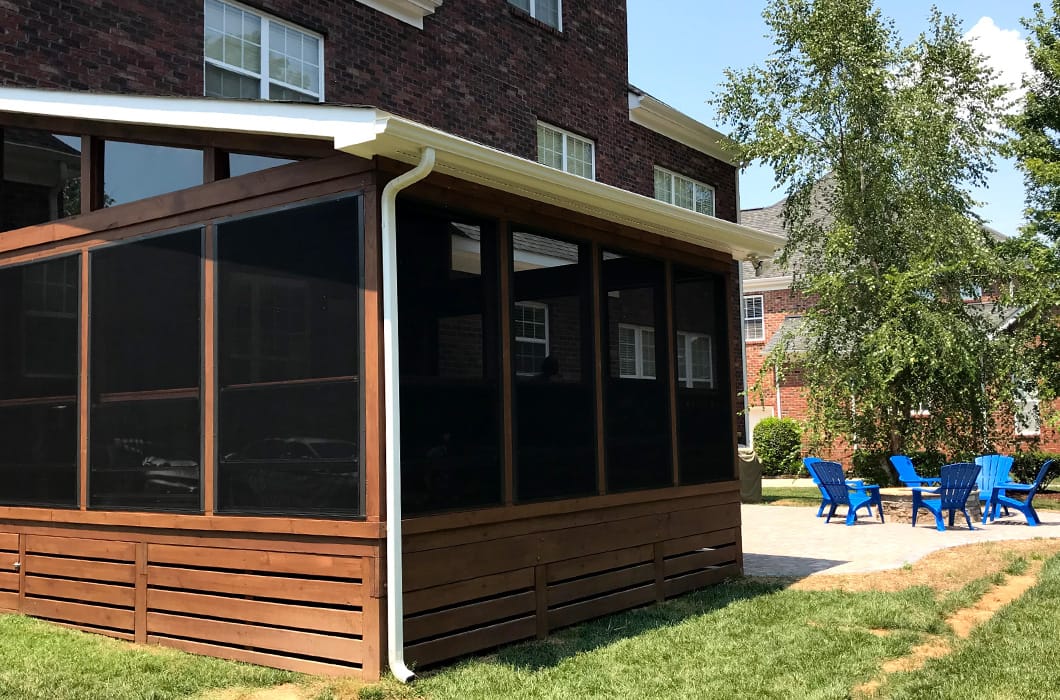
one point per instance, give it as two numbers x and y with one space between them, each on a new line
790 541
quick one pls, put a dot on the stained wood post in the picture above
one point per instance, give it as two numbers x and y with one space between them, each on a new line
140 604
541 593
660 572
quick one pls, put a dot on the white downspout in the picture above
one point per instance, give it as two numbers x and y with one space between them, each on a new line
776 381
395 609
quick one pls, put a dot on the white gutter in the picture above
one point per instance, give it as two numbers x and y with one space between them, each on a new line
395 609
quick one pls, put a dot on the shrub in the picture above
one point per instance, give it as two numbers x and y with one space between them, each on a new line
872 466
778 444
1025 466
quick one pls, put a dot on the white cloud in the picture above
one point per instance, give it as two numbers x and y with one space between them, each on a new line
1005 52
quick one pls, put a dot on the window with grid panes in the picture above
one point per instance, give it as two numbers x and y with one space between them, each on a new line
562 150
547 11
531 337
754 320
694 360
636 352
252 55
683 192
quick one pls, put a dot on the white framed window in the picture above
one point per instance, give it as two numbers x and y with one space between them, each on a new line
683 192
754 319
563 150
548 11
636 351
1028 414
695 360
531 337
251 55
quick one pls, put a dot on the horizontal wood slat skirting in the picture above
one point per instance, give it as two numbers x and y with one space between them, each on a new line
297 610
538 574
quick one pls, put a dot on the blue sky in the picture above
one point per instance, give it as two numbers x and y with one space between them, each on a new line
678 55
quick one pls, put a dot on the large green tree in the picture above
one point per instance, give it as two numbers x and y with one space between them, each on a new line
1035 144
877 144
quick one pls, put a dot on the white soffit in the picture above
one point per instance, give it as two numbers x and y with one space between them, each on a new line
766 284
663 119
409 11
368 132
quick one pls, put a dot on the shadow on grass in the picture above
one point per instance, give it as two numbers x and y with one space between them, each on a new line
566 643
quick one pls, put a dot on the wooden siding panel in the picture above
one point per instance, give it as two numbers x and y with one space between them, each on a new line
583 566
254 657
602 583
81 548
270 638
700 560
79 613
716 538
36 565
595 607
690 582
84 591
464 591
9 581
280 587
466 616
9 601
257 560
9 541
471 641
303 617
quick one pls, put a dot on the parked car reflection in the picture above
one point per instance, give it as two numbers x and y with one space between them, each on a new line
292 474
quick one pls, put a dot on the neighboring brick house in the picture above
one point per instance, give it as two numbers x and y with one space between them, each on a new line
207 439
772 310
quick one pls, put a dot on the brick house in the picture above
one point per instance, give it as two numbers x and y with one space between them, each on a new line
214 433
770 309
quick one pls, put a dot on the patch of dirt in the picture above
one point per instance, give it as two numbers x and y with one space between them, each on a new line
944 571
288 691
967 619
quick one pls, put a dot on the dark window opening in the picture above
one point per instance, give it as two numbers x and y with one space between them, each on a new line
704 399
450 373
554 431
636 389
144 435
133 171
290 356
41 177
39 320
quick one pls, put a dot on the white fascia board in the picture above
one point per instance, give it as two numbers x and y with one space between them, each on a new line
401 139
663 119
343 125
766 284
367 132
408 11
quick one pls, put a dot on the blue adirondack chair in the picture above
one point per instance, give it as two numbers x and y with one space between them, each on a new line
1001 498
994 470
840 493
907 473
809 463
957 482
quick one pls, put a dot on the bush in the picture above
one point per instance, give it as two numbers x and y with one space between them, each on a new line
1025 466
778 444
872 467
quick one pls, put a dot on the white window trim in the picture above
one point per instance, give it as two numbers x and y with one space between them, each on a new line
1028 400
559 14
695 184
537 341
264 80
569 135
685 338
762 319
638 351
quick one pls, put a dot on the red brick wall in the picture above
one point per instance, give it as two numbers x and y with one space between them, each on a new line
480 69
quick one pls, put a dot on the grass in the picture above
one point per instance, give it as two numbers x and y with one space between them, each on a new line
1009 658
39 660
743 638
791 496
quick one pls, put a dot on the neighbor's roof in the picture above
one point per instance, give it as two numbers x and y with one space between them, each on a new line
368 132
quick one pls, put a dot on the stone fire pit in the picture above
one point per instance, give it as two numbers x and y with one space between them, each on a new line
898 507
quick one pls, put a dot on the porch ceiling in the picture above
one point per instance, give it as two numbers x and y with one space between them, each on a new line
367 132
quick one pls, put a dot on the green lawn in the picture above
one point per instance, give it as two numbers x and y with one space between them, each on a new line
40 660
791 496
744 638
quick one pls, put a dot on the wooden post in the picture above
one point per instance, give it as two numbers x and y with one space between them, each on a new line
504 238
598 367
140 601
541 596
209 371
84 400
92 155
660 572
671 370
374 443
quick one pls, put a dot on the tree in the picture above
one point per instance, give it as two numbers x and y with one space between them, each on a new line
1034 144
877 145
